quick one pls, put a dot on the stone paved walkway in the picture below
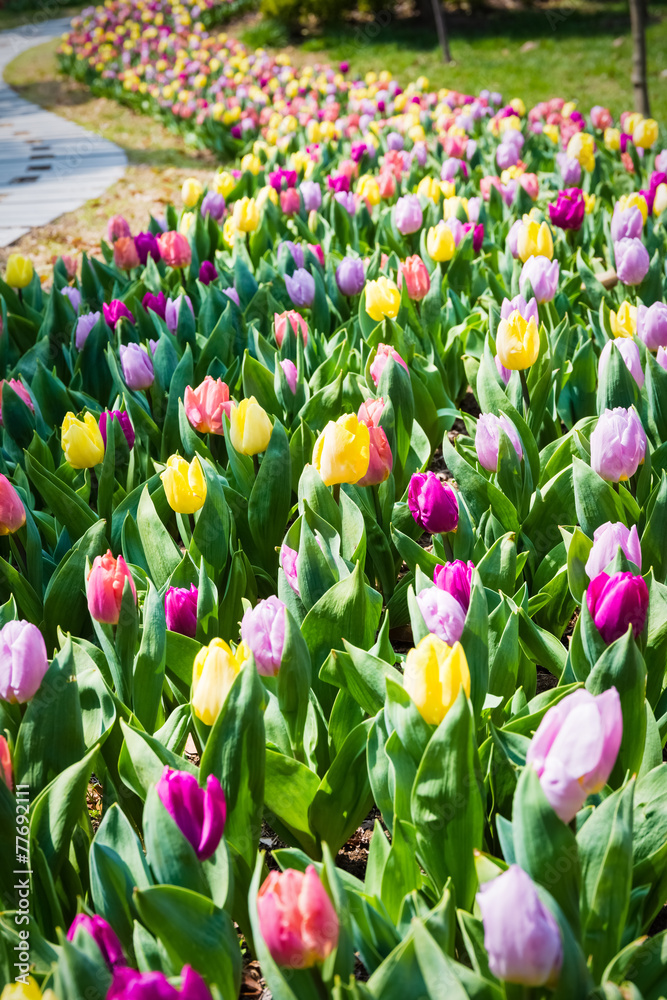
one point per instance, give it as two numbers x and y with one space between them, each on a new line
48 166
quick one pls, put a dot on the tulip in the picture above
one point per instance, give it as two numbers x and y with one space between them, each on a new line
128 983
618 444
652 325
518 303
20 391
180 609
626 223
435 673
417 281
408 214
311 192
350 276
617 601
296 918
521 936
205 405
191 191
199 813
570 171
137 367
117 228
106 582
123 419
174 249
630 354
487 439
290 201
645 133
607 539
294 250
102 934
6 774
383 299
534 240
383 354
19 271
125 254
296 321
504 373
157 303
632 261
84 327
23 661
250 428
73 296
172 311
81 441
432 503
582 147
347 200
342 451
660 199
624 322
543 276
569 209
381 460
147 246
600 117
263 632
115 311
517 342
288 563
575 747
25 989
184 485
291 374
300 287
215 669
442 613
245 215
207 272
455 578
440 242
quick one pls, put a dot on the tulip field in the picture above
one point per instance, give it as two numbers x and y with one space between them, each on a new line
333 509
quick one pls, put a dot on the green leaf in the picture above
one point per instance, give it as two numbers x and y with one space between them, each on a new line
351 609
68 507
344 797
270 499
162 553
57 808
149 666
289 792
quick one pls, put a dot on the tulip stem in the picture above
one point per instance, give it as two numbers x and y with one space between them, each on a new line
183 522
336 492
524 391
255 465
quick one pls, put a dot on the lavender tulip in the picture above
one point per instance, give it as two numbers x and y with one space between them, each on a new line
630 354
300 287
521 936
518 304
570 169
137 367
350 276
607 539
288 563
347 201
232 294
433 504
450 169
172 311
311 192
291 374
84 327
263 631
626 223
632 260
213 204
294 249
123 419
543 275
23 661
617 601
395 141
73 296
505 373
487 439
652 325
455 577
199 813
575 748
513 238
102 934
180 609
618 444
408 214
442 613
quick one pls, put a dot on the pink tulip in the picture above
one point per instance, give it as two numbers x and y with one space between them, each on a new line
383 353
291 374
296 918
23 661
6 772
454 578
381 460
288 562
630 354
20 391
615 602
417 280
618 444
206 405
106 581
125 254
295 320
487 439
370 412
290 201
174 249
12 511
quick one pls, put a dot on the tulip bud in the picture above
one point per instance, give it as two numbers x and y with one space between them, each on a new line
382 299
191 191
206 405
291 374
20 391
617 601
454 578
568 211
23 661
172 310
125 254
12 511
288 563
184 485
102 934
117 227
199 813
630 354
652 325
123 419
127 982
263 632
295 320
624 322
147 246
250 428
381 460
6 774
19 271
174 249
245 215
517 342
408 214
417 281
440 242
81 441
443 615
114 311
575 747
433 504
300 287
350 276
632 261
180 609
342 451
435 673
207 271
487 439
543 276
84 328
534 240
215 669
296 918
618 444
137 367
382 355
607 539
106 582
521 936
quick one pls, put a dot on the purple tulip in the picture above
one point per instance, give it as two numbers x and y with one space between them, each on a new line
570 169
433 504
487 439
114 311
513 238
395 141
607 539
23 661
263 631
474 208
451 168
569 209
652 325
661 358
157 303
289 559
102 934
443 614
291 374
73 295
614 602
543 275
207 272
632 260
180 609
505 373
521 936
626 223
347 201
173 309
454 577
457 229
518 304
128 984
311 192
507 155
232 294
575 747
629 353
137 367
408 214
147 246
350 276
618 444
199 813
294 249
84 327
213 204
123 419
300 287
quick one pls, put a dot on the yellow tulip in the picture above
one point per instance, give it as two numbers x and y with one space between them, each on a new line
440 242
215 668
249 427
589 202
582 147
252 163
612 139
517 105
634 200
645 134
224 183
451 206
517 342
660 199
246 215
267 193
382 299
551 131
81 441
434 675
534 240
19 271
186 223
342 451
191 191
369 188
184 485
624 322
429 187
631 122
568 108
22 991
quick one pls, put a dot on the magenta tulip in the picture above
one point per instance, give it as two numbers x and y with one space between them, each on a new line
102 934
432 503
128 984
199 813
616 602
123 418
180 609
569 209
454 578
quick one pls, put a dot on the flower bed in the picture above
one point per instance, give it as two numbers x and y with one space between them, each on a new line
222 520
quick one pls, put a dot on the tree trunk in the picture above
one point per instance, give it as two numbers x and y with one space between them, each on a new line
639 81
441 28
